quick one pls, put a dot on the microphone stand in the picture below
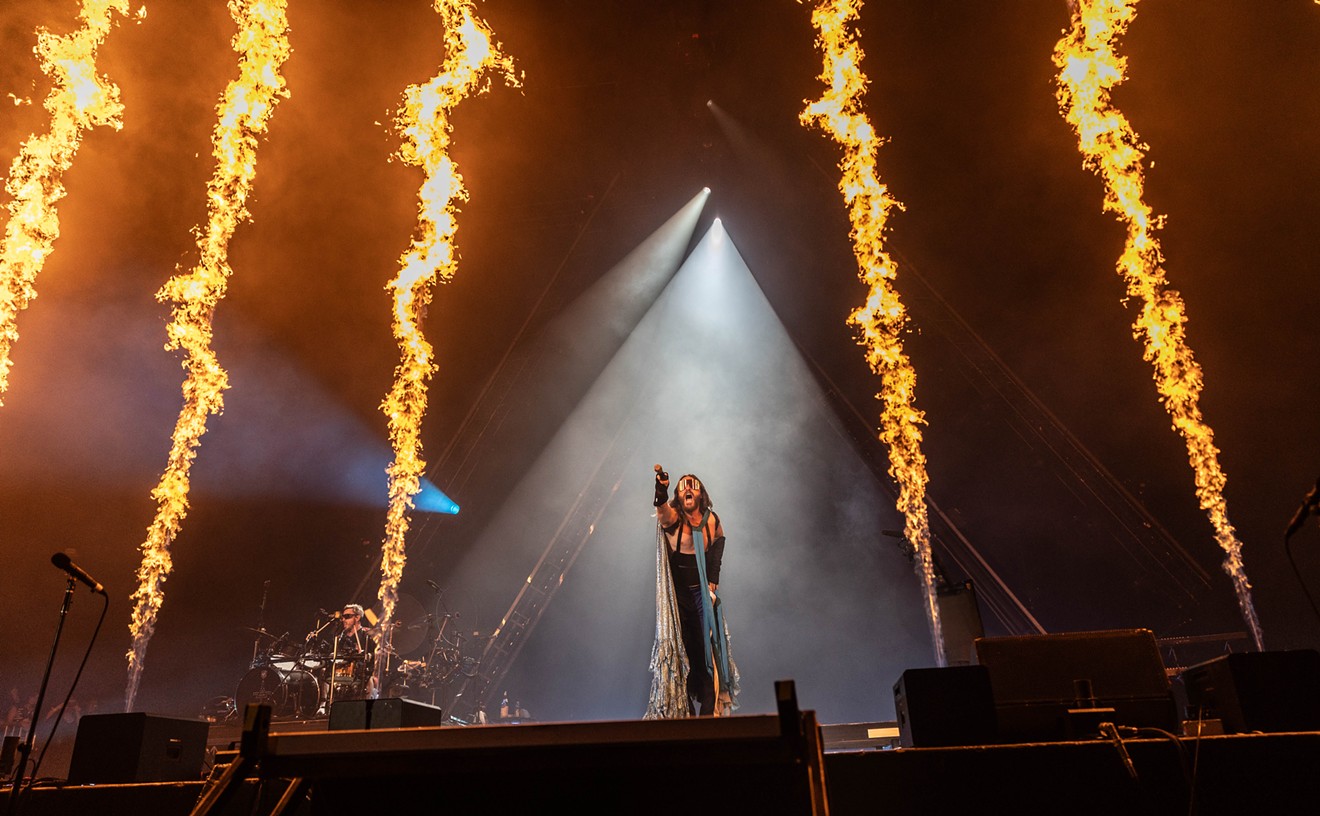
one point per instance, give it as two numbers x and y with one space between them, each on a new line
261 621
320 629
25 750
334 667
1287 550
307 644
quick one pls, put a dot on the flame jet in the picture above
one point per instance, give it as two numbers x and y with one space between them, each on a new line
881 320
79 100
1089 67
424 124
262 45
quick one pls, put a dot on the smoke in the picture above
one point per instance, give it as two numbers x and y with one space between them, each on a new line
709 383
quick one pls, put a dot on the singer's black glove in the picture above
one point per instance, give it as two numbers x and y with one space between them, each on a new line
661 487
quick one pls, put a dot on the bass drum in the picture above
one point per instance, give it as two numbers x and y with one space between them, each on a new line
289 694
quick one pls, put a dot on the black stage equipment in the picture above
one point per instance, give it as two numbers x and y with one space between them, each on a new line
1062 686
1256 691
137 747
945 706
960 622
390 712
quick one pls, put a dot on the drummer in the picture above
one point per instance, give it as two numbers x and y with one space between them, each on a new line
353 650
355 640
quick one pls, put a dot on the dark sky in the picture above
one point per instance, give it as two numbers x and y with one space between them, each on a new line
1004 255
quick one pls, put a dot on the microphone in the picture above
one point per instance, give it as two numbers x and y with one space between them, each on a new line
334 614
1309 503
65 563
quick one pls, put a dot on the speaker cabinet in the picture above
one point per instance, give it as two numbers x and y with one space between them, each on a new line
388 712
137 747
1256 691
960 623
1060 686
944 707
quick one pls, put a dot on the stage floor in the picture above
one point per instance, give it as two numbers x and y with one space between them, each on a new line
603 767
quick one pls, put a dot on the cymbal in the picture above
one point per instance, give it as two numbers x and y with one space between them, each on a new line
264 633
409 624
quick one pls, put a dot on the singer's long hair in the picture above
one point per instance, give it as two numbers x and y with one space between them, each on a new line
704 503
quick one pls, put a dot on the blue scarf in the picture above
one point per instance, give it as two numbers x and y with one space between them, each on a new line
712 614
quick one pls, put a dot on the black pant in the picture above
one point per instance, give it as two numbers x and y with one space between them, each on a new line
700 683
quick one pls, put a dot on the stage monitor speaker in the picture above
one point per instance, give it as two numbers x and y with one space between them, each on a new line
137 747
1060 686
1256 691
944 707
388 712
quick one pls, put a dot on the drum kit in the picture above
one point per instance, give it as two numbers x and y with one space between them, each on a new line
292 678
300 679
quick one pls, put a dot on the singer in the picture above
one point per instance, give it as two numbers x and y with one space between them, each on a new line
689 615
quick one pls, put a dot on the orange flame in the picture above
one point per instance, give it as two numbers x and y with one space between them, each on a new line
263 46
79 100
882 319
425 126
1089 68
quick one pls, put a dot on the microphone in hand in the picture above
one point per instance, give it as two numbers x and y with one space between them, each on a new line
661 486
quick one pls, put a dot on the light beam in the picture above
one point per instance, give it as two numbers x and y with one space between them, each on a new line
1089 68
881 320
262 45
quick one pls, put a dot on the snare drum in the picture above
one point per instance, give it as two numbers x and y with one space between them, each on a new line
350 677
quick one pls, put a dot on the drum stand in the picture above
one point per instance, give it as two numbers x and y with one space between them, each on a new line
330 674
330 681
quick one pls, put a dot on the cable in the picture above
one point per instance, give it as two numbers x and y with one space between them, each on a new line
60 716
1287 549
1110 732
1196 756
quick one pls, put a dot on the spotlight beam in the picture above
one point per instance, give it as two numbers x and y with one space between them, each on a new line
565 359
737 402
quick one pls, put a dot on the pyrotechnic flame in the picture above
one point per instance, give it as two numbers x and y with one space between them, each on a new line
1089 68
79 100
880 322
425 126
262 45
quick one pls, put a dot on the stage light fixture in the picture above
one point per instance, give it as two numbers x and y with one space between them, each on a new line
431 499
